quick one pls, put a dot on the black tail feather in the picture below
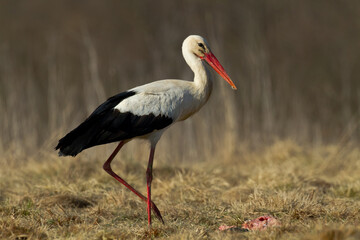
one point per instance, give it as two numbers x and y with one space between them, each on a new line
76 140
79 138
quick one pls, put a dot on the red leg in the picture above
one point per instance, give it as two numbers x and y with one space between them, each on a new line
148 182
108 169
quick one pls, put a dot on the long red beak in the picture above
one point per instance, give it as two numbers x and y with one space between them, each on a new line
214 63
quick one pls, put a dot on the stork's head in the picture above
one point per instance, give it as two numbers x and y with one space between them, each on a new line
198 46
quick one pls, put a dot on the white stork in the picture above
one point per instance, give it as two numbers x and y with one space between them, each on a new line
146 112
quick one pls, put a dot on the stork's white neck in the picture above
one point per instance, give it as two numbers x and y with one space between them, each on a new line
202 76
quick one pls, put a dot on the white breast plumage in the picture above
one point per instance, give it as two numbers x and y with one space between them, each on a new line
165 98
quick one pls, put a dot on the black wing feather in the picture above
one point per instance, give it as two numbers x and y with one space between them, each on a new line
106 125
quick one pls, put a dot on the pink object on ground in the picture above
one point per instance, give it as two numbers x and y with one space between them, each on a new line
259 223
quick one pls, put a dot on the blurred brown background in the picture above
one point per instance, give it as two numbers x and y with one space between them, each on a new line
296 65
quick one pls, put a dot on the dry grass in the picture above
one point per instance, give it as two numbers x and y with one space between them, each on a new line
314 192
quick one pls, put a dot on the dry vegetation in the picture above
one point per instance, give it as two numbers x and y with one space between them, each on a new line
315 193
297 67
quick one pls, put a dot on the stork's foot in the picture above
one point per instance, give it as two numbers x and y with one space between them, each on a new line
157 212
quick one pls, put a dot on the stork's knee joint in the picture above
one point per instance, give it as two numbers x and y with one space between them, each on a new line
149 176
107 167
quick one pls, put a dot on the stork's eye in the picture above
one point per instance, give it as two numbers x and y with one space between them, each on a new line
201 45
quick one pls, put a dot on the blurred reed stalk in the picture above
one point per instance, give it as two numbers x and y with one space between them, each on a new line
295 63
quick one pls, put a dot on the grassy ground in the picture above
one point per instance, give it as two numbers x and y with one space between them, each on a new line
314 192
